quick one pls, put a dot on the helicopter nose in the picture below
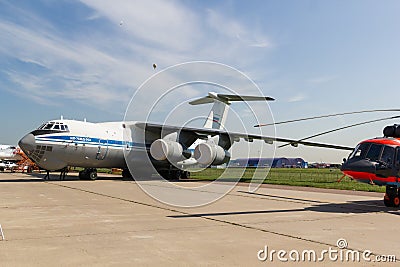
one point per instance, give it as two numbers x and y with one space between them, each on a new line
27 143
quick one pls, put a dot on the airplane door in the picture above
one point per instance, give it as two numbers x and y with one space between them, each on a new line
102 149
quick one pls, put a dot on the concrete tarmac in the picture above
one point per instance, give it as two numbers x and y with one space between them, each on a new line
110 222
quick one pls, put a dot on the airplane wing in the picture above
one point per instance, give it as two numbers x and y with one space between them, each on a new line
189 134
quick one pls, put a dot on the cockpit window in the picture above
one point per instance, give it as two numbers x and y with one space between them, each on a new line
388 155
374 152
360 151
48 126
56 126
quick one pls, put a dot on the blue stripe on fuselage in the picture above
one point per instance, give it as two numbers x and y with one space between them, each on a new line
89 141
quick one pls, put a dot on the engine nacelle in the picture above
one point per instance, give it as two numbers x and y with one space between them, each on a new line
211 154
392 131
162 149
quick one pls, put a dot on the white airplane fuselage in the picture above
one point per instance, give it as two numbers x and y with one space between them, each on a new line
80 144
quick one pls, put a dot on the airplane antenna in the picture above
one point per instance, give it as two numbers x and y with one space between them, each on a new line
84 120
62 117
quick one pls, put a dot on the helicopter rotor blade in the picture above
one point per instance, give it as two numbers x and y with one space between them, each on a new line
327 116
342 128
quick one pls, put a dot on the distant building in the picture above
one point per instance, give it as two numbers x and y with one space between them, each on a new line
269 162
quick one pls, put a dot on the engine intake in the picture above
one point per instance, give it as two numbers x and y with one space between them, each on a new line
392 131
162 149
211 154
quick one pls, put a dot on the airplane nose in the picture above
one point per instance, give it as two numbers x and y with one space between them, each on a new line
27 143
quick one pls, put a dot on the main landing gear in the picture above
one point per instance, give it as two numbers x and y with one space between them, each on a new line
88 174
173 175
392 196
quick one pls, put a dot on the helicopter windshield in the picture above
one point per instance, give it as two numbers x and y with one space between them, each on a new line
360 151
388 155
374 152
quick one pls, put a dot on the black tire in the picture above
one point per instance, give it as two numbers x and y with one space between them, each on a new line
177 175
81 175
388 200
126 174
92 175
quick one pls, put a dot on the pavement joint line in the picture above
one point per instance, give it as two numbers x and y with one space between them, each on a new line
207 218
104 233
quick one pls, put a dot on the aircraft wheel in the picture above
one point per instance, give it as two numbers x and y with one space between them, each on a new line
126 174
177 174
82 175
396 201
185 175
92 175
386 201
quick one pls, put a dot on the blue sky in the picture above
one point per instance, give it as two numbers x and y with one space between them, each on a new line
76 59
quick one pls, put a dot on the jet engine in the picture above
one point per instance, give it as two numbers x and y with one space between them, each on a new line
162 149
211 154
392 131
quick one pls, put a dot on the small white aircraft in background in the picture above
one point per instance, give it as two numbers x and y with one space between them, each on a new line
58 144
8 156
9 153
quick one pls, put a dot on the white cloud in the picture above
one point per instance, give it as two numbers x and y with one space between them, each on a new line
297 98
104 66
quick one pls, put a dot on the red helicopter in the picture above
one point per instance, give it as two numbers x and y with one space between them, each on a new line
377 161
374 161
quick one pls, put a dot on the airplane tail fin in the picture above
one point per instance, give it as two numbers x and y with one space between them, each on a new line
217 117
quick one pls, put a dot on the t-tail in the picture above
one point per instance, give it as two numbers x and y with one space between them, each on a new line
218 114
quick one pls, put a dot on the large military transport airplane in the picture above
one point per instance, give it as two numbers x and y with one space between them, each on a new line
58 144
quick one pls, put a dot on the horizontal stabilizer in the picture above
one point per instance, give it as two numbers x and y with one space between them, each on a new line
245 98
228 98
203 100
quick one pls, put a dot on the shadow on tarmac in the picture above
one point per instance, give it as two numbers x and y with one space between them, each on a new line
355 207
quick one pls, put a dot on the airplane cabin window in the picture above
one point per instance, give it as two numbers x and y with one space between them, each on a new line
388 155
374 152
56 127
62 128
66 128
